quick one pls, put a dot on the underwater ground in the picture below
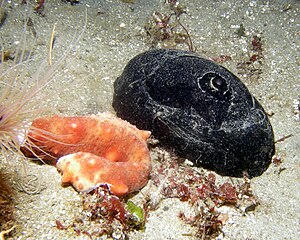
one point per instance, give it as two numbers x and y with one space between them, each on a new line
259 41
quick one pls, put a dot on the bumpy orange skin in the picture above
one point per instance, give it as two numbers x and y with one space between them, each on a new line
95 150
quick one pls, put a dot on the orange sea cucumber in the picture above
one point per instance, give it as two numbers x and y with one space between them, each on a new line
94 150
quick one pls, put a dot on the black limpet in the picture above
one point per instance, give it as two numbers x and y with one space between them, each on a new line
197 108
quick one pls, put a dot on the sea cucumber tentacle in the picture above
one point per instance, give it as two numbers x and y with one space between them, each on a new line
96 149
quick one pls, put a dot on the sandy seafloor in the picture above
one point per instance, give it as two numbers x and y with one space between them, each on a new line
84 85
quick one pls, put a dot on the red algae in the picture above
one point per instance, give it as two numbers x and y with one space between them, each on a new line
204 191
104 214
94 150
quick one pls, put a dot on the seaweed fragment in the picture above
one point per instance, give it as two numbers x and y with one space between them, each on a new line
105 214
252 66
166 28
39 7
241 31
202 191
